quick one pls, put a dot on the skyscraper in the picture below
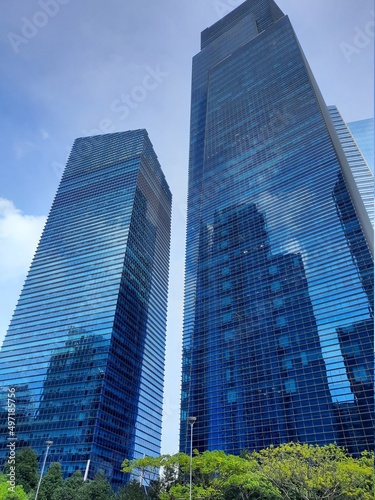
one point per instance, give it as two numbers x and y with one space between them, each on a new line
363 133
85 348
278 259
363 176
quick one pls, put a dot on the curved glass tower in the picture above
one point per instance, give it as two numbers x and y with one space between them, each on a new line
84 352
278 336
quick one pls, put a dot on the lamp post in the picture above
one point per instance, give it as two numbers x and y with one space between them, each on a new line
191 421
48 444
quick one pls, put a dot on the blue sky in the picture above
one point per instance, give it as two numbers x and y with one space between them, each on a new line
68 71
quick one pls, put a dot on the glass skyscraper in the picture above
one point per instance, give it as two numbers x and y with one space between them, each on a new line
278 336
85 349
363 176
363 133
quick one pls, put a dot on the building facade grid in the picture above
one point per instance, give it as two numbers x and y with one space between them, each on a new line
85 347
276 261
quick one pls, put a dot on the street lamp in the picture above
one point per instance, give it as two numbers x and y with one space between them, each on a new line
48 444
191 421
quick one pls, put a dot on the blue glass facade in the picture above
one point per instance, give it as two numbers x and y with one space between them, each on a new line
363 133
278 259
85 347
363 176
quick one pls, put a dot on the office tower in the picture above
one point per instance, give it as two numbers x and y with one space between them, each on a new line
278 250
85 347
363 133
359 363
361 172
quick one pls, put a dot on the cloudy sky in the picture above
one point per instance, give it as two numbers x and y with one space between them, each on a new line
67 71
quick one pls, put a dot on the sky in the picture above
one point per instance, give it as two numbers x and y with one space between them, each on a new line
67 68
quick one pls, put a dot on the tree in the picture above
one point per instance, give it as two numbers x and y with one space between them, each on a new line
131 491
183 491
215 475
97 489
312 472
175 468
7 494
230 477
50 482
155 488
75 481
64 494
249 486
71 488
27 469
291 471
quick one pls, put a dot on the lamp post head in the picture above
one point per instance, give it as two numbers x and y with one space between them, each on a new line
192 420
49 443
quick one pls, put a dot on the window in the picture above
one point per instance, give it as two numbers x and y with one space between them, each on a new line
225 271
277 303
287 363
226 285
284 341
359 373
228 335
290 386
304 358
273 270
280 321
296 262
226 301
352 349
232 396
227 317
275 285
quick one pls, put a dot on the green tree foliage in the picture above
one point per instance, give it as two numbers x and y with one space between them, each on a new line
70 489
27 469
288 472
183 491
291 471
6 494
97 489
148 467
174 468
249 486
155 488
51 481
132 491
215 475
229 476
308 472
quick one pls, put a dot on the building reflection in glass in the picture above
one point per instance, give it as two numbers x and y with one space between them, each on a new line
256 373
85 348
267 293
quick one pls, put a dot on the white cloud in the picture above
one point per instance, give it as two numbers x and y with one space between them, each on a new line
19 236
